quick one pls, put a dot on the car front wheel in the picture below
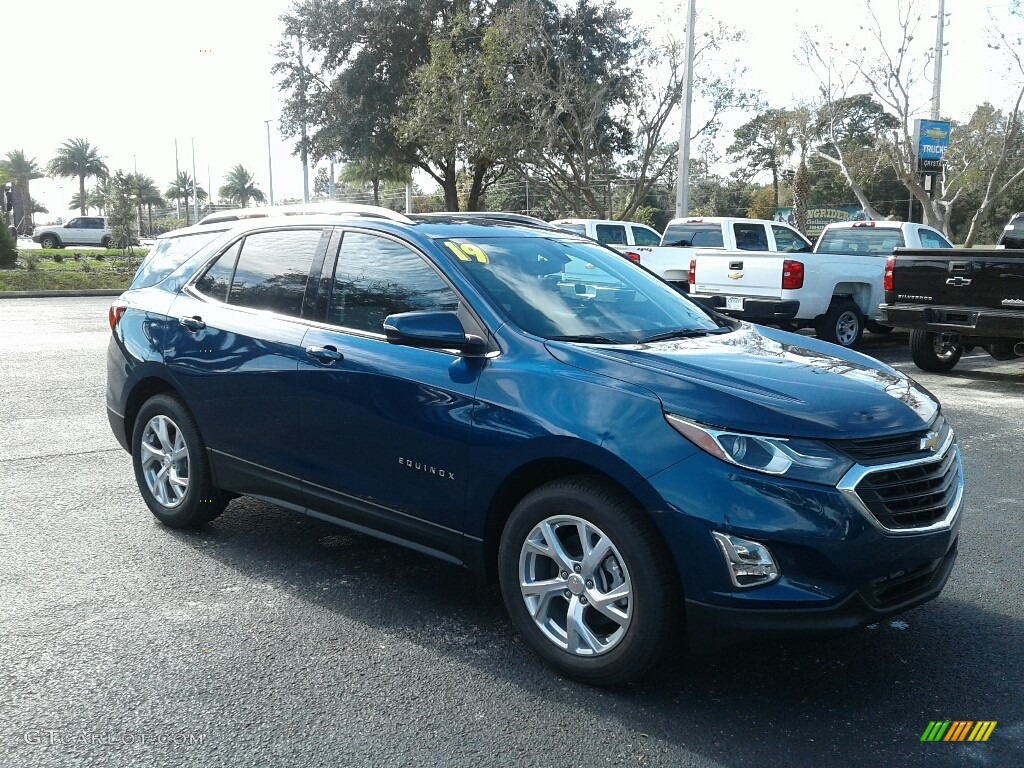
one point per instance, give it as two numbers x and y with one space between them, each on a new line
49 241
588 583
171 467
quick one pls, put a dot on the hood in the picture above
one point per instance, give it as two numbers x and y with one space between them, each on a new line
766 382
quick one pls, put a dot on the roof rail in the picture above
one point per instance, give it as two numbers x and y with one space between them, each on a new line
306 209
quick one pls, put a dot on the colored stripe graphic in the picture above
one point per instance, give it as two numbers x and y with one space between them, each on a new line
959 730
935 731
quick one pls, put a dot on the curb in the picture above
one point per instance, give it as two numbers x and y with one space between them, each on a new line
59 294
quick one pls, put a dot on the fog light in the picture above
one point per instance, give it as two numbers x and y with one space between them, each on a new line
750 564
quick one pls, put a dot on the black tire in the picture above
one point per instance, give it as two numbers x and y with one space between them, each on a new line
648 617
1002 350
49 241
165 426
106 243
878 328
934 354
843 324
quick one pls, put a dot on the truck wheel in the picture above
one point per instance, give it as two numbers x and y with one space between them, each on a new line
878 328
588 583
49 241
843 324
935 352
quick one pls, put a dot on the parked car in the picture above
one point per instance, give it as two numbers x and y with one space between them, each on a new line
620 235
632 469
684 237
954 301
836 289
1012 235
81 230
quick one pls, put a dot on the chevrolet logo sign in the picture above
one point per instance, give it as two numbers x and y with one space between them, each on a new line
958 281
930 442
734 275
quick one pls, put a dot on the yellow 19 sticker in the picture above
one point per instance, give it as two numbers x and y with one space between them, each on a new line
467 251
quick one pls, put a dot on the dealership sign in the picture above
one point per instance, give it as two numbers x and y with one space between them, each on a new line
931 139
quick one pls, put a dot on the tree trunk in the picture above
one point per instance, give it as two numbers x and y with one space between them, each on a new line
376 191
81 194
476 190
801 196
775 186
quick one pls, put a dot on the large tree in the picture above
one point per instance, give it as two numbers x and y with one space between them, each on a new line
20 170
375 173
77 158
240 187
143 192
764 143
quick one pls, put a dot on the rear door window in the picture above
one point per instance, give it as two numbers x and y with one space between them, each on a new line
788 241
217 279
611 234
273 270
750 237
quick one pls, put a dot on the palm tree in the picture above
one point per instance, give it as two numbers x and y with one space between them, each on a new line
76 158
183 188
240 187
373 171
20 170
99 197
144 193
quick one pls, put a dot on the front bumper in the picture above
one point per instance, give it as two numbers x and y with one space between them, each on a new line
715 626
764 311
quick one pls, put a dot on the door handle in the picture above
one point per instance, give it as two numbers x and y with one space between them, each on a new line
326 355
194 323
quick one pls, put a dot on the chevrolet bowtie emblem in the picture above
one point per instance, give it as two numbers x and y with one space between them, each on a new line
930 442
958 281
734 275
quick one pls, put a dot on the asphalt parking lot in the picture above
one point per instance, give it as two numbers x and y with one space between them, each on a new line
268 639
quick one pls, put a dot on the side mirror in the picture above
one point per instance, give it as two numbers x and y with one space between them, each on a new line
432 330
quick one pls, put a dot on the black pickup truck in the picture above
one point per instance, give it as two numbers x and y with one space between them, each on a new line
956 300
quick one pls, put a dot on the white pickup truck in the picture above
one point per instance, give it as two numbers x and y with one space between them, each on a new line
836 289
683 237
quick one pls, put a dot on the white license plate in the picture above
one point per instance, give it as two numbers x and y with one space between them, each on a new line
734 302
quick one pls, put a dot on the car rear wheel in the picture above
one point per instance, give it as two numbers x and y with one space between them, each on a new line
843 324
588 583
106 243
935 352
171 468
49 241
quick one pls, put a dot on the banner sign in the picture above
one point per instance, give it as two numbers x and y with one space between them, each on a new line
931 139
818 218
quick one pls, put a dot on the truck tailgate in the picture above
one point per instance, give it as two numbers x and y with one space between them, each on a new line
738 273
979 278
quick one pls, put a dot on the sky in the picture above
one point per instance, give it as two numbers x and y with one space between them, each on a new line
133 81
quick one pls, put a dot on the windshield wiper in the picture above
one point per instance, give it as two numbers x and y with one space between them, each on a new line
683 333
585 339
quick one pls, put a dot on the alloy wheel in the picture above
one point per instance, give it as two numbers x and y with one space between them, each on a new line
165 461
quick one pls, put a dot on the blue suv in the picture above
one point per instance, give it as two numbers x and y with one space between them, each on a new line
635 471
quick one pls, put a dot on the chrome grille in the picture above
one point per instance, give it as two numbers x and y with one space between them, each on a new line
873 449
912 496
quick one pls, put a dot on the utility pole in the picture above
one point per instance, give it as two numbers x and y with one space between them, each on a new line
177 175
270 165
940 25
330 177
683 180
195 197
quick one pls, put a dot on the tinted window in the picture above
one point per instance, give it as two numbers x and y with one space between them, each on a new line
217 278
273 269
76 224
750 237
788 241
694 235
931 239
167 255
376 277
611 234
645 236
864 240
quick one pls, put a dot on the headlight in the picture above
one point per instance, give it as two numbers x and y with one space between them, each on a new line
797 458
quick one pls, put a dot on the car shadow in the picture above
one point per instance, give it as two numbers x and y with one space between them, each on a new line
853 698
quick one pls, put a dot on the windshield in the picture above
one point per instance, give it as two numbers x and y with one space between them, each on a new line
573 290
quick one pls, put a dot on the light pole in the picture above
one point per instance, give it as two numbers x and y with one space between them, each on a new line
683 180
195 196
270 165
